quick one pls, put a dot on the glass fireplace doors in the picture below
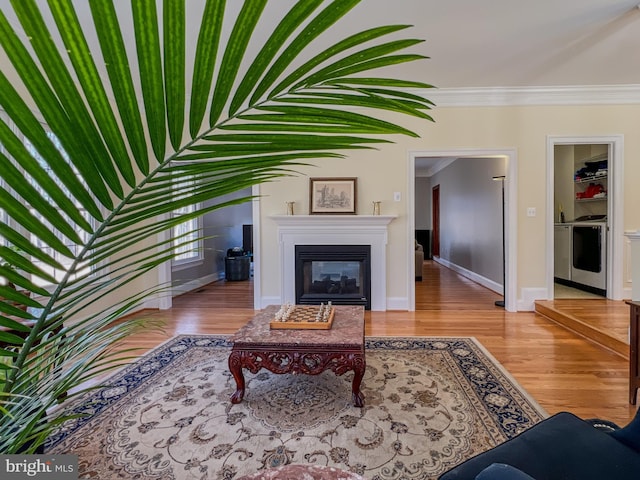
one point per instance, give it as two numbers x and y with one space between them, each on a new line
337 273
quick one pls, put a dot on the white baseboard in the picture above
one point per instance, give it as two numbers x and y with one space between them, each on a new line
195 284
529 296
160 303
266 301
485 282
155 303
398 303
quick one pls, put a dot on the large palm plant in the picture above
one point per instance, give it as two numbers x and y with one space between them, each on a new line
98 150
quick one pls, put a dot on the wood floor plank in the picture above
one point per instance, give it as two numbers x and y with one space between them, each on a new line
558 368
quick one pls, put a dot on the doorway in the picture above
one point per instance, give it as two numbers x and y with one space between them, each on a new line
445 157
584 217
435 216
222 230
581 190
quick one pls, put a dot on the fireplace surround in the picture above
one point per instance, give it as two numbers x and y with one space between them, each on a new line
369 230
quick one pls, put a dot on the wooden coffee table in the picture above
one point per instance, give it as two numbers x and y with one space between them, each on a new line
339 349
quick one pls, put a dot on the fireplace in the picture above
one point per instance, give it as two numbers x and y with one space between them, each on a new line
337 273
331 230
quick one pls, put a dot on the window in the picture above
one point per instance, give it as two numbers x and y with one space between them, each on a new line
3 219
186 242
65 262
3 241
3 214
58 274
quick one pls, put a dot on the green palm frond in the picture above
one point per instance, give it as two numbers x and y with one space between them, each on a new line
108 124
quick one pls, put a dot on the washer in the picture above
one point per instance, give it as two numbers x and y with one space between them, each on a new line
589 252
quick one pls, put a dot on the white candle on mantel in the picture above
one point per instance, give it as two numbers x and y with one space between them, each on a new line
634 238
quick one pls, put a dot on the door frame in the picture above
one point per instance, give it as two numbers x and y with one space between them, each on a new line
435 220
615 208
257 249
511 219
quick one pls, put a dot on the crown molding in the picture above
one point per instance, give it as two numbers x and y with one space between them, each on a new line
523 96
519 96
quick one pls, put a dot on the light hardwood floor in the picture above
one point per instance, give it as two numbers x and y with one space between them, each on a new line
559 369
604 321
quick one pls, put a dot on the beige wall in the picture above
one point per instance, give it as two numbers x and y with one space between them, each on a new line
384 171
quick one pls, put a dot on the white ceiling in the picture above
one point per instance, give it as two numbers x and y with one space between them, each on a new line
485 43
478 43
515 43
481 43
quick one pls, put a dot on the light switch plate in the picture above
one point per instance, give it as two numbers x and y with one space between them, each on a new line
531 211
396 196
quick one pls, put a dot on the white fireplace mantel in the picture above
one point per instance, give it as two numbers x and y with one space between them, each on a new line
334 230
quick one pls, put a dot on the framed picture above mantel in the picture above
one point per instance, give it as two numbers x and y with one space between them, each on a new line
332 196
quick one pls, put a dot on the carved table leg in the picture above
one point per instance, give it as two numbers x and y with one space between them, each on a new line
359 366
235 367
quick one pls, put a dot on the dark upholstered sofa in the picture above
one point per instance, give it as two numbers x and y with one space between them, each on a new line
561 447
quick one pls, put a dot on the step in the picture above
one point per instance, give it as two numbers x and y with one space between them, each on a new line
582 328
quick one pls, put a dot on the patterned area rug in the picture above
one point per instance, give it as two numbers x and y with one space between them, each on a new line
430 403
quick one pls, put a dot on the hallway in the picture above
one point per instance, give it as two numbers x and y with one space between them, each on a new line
443 289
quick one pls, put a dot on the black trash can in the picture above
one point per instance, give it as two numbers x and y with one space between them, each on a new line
237 268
